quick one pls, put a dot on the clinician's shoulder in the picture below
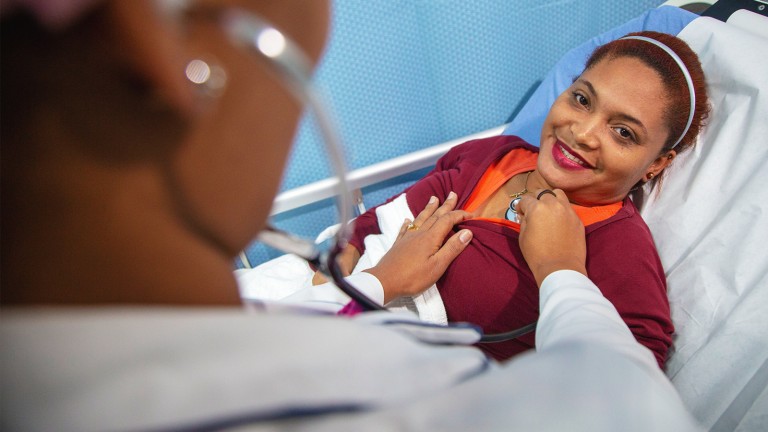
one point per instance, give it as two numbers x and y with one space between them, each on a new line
577 386
257 365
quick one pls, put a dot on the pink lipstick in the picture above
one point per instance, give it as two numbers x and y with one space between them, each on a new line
566 158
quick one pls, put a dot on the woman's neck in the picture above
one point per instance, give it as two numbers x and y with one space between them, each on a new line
537 182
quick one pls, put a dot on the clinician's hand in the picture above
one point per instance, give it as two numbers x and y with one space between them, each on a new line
420 256
551 235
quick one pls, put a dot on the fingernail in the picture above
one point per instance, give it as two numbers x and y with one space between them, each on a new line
432 199
451 195
465 236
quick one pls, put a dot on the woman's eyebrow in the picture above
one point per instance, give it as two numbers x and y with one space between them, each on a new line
589 86
621 115
629 119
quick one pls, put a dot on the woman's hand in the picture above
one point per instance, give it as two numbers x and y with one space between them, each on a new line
421 254
551 235
347 260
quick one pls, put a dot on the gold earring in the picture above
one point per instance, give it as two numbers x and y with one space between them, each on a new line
650 176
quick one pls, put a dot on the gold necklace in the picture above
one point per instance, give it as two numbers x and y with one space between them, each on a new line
511 213
525 188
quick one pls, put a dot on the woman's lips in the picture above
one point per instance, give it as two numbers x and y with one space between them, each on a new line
567 158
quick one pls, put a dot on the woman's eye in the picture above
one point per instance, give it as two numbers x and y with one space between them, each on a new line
579 99
624 133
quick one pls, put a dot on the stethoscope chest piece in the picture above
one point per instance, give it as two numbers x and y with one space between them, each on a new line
511 214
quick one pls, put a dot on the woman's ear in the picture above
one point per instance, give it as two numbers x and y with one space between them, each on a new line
152 47
660 163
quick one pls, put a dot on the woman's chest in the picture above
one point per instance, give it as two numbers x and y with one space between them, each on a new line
490 273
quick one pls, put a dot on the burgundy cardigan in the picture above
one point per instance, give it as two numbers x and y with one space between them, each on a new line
490 284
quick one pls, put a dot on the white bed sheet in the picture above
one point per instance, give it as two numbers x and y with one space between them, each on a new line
710 223
287 279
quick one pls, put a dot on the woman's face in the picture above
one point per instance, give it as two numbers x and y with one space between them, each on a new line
605 132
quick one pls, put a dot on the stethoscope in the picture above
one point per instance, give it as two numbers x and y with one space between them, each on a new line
289 63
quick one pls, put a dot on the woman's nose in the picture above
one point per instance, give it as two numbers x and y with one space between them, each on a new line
585 133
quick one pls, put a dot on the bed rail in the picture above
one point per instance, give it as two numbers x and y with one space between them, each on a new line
372 174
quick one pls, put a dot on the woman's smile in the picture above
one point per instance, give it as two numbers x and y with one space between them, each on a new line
567 158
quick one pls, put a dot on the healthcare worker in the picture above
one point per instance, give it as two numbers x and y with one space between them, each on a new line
141 150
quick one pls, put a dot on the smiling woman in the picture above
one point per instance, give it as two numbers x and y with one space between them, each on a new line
618 126
640 101
680 72
605 133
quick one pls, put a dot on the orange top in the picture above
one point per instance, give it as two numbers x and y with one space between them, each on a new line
512 164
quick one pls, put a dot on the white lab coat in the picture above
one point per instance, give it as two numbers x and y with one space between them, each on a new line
154 368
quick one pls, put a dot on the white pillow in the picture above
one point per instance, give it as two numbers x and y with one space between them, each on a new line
710 224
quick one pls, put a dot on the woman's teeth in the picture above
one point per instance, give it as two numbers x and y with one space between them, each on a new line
571 157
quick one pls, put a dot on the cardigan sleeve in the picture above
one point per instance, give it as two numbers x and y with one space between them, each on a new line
623 262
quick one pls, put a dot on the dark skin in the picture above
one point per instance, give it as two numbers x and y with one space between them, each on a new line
124 199
550 228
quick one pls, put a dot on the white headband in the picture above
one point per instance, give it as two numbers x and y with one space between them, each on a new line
685 72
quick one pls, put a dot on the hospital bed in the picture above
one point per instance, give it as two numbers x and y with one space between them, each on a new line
710 222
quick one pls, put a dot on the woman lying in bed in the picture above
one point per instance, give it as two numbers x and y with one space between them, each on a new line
618 126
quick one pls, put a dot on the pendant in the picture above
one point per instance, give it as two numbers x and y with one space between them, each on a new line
511 214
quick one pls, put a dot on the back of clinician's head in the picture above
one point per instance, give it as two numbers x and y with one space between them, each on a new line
122 180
